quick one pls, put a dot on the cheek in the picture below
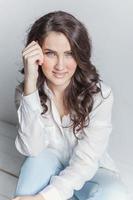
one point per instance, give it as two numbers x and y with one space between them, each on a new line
47 65
72 66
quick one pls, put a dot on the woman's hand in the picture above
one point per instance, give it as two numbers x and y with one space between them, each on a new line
34 197
32 57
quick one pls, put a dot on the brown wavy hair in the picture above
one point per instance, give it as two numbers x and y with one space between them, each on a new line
78 96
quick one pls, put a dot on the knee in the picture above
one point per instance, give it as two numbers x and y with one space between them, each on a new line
36 172
45 161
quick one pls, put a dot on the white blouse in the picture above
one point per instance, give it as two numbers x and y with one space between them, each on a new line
82 157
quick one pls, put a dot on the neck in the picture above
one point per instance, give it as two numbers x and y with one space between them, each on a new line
58 91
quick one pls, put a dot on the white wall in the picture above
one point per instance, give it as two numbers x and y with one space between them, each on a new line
110 24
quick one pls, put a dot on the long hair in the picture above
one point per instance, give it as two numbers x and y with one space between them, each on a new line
78 96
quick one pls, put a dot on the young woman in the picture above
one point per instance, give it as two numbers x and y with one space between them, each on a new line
64 113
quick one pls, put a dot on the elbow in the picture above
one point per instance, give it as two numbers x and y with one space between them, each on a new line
21 147
25 149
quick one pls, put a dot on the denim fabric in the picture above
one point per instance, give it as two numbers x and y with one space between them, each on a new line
36 172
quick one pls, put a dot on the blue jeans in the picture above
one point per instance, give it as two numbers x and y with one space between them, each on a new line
36 172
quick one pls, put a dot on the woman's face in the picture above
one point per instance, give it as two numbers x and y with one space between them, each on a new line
59 64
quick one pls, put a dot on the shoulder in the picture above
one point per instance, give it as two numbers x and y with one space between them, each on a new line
105 96
105 89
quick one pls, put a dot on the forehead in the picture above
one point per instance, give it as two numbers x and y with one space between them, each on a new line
56 41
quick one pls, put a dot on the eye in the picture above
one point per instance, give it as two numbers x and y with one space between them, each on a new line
50 53
69 54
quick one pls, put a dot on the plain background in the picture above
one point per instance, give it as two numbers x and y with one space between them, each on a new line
110 24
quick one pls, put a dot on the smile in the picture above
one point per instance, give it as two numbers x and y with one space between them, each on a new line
59 75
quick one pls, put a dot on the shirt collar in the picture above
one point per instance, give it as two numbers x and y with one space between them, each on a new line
47 90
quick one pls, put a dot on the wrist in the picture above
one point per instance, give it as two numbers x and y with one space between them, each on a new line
39 197
29 86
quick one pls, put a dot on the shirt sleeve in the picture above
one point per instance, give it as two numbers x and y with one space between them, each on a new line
84 161
30 139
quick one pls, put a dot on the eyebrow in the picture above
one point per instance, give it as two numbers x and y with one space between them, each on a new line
56 52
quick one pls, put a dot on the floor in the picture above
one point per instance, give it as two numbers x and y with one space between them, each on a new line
11 161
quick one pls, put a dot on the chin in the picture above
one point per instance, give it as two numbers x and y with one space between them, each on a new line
60 82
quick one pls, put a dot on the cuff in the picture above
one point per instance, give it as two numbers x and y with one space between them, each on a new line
50 193
32 100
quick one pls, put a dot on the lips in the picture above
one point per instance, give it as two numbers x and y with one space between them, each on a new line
59 75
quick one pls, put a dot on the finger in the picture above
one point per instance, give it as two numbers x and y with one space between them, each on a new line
33 55
31 50
30 44
28 47
36 58
34 43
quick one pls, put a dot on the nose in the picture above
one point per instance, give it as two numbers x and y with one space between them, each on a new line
60 65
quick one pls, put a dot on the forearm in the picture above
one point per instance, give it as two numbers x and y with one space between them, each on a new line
29 86
31 138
